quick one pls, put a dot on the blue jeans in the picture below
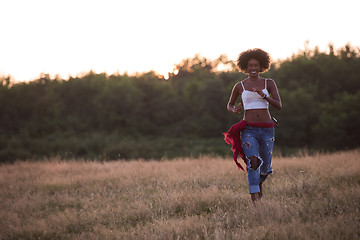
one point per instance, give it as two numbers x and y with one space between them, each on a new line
258 142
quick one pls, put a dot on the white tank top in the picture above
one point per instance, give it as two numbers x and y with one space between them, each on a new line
252 100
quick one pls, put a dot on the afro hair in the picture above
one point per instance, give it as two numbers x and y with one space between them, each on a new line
256 53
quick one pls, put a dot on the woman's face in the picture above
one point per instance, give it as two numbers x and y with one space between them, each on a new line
253 68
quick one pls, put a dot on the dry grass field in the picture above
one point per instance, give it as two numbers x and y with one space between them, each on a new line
307 197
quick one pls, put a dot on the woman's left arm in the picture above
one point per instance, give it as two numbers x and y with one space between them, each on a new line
274 98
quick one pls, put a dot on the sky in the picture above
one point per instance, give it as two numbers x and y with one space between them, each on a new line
72 37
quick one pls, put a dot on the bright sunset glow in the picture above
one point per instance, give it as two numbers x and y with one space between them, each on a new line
75 36
165 75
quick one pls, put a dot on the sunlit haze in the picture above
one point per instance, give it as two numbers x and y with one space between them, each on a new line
73 37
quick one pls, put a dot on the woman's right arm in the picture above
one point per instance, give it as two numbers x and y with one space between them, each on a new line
233 97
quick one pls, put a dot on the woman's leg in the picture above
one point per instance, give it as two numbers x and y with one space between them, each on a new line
251 150
266 144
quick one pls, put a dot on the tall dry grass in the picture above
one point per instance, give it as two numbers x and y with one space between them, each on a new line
308 197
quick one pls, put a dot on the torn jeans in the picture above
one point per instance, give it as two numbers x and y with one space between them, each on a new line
258 142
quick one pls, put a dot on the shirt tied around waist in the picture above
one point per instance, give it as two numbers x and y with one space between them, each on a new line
232 137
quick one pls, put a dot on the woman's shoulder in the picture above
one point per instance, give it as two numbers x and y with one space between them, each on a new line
270 84
239 86
241 82
270 81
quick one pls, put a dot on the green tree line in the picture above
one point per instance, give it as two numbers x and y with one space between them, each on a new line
100 116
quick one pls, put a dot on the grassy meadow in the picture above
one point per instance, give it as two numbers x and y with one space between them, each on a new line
307 197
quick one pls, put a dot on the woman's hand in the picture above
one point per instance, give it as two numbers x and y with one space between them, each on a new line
236 109
259 91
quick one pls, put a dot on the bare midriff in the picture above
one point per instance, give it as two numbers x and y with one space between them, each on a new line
257 115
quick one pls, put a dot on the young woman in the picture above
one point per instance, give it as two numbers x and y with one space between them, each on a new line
256 130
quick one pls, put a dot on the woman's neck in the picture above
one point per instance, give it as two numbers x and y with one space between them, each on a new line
254 78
